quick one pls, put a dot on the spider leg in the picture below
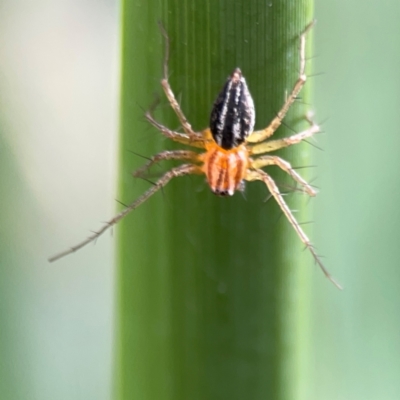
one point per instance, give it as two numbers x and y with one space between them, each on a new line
264 161
170 94
185 169
183 138
259 136
273 145
166 155
261 175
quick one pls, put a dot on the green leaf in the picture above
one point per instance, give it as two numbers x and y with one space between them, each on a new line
212 292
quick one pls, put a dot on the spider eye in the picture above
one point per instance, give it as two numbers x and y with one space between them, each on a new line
233 115
223 193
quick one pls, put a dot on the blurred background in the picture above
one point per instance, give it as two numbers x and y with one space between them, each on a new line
59 82
58 123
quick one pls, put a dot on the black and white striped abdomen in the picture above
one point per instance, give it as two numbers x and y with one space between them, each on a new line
233 115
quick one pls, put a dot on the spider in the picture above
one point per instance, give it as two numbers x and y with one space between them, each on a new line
231 147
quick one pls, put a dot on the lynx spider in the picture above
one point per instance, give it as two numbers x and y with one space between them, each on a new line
230 144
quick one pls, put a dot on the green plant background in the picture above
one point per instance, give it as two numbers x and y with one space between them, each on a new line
222 290
58 115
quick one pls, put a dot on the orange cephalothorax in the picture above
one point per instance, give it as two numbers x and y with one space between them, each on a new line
224 169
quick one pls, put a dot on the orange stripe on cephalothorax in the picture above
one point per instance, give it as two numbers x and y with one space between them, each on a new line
224 169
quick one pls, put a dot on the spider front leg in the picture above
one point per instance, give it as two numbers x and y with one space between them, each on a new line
259 136
185 169
170 94
253 175
264 161
167 155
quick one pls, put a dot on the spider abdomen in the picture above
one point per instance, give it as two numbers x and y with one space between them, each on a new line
225 169
233 115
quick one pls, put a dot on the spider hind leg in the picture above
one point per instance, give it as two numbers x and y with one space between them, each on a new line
260 136
168 90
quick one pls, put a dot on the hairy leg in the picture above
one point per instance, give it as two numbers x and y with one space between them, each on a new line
270 183
259 136
185 169
264 161
170 94
167 155
183 138
273 145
